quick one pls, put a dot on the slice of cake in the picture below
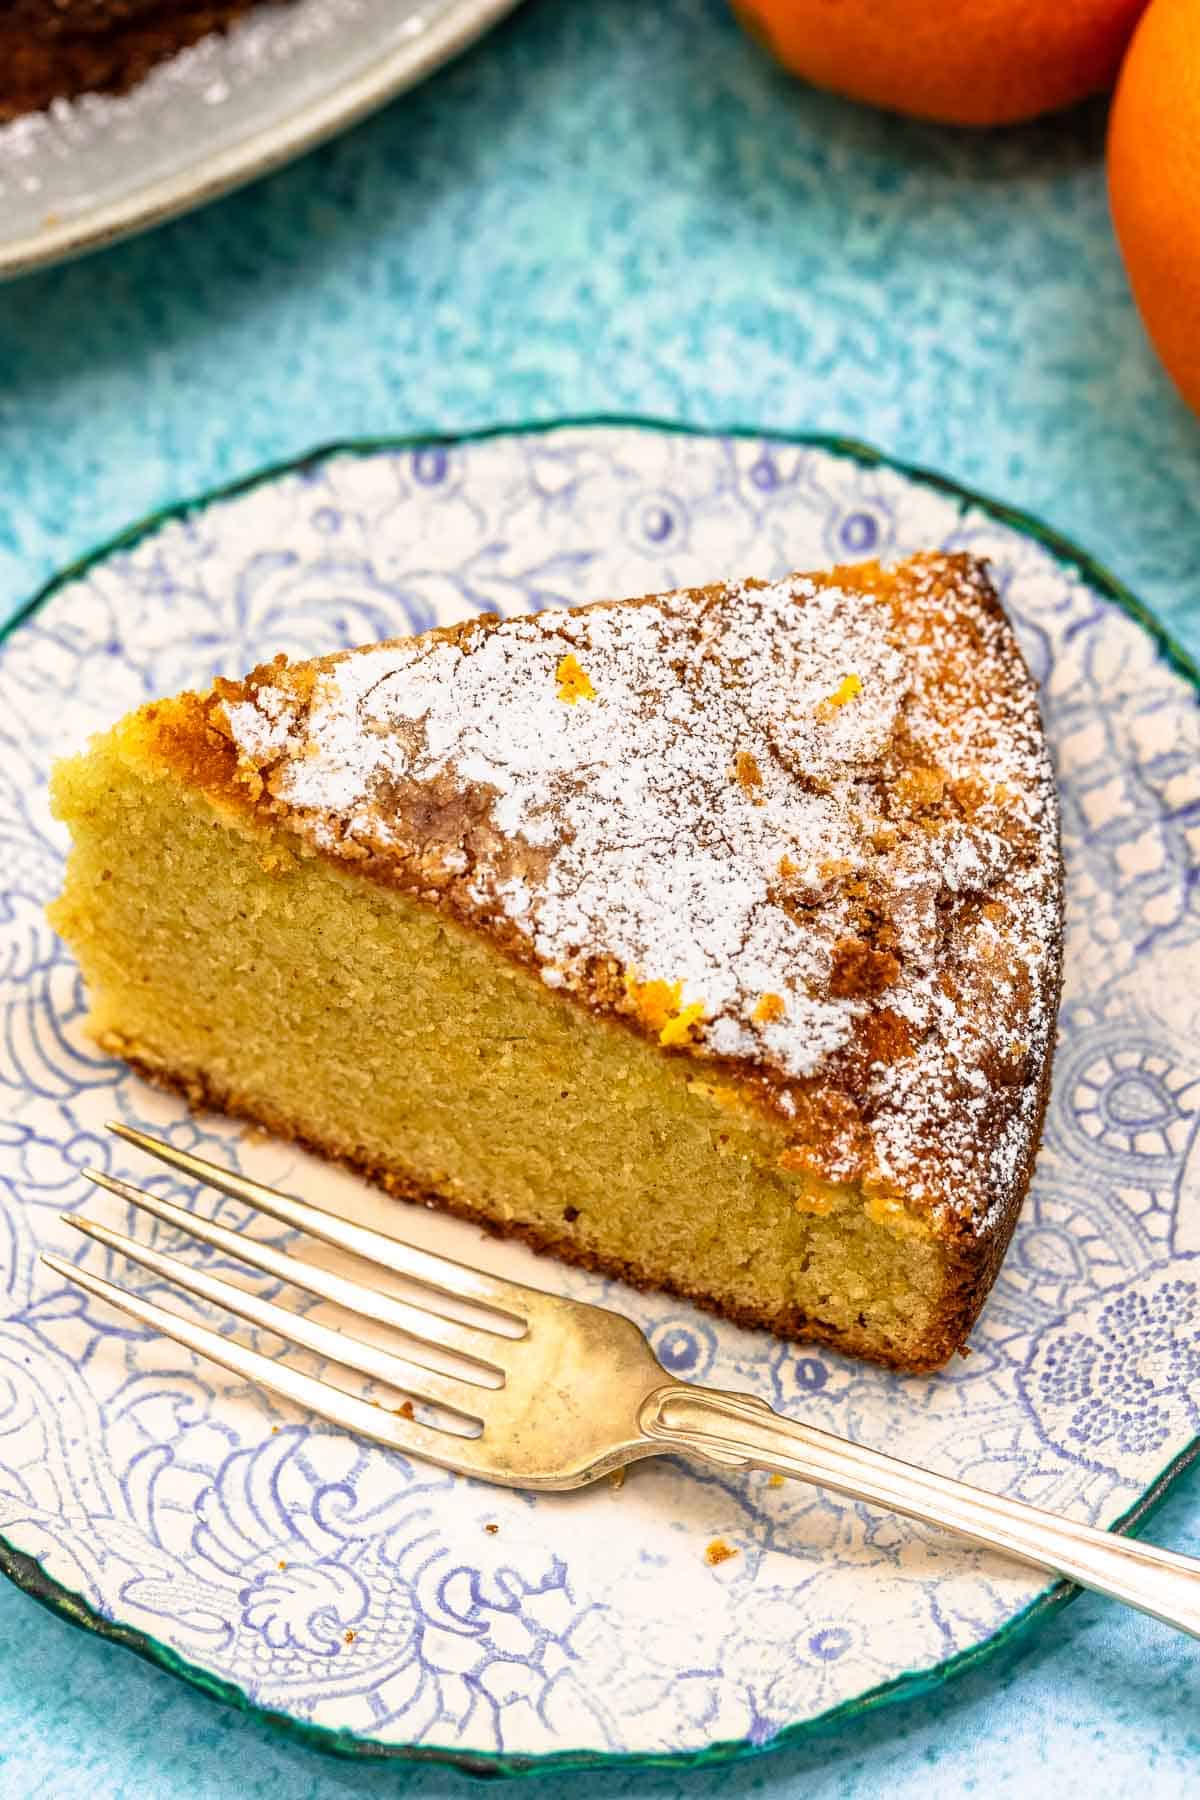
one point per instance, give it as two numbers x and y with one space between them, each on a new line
710 940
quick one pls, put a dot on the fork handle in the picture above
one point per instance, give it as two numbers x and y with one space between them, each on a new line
742 1430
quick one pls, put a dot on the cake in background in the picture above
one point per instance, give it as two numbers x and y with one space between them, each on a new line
54 49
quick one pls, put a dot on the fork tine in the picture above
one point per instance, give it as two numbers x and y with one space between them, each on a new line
422 1327
437 1272
351 1413
422 1384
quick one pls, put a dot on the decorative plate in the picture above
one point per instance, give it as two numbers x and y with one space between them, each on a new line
216 115
357 1595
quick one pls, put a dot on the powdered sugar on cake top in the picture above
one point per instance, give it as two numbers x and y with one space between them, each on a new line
756 809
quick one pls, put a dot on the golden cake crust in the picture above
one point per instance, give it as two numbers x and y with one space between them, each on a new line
840 784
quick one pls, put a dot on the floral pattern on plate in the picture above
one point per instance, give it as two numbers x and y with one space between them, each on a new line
353 1590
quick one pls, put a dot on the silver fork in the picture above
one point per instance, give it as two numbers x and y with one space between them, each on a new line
557 1392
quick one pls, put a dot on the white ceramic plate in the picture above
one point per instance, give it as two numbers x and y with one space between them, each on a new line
218 114
358 1595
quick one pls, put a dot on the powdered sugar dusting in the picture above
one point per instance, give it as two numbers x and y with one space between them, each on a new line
767 792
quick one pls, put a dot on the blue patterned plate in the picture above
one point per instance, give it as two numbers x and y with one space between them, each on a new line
359 1596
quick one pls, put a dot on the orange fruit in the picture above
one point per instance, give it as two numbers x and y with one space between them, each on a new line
1154 182
965 62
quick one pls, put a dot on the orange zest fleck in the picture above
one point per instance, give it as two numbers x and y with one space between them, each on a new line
680 1029
769 1008
348 1637
653 1001
405 1410
746 772
718 1552
574 683
659 1006
775 1481
491 1530
847 689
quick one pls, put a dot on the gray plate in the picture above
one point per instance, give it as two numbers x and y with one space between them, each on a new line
96 169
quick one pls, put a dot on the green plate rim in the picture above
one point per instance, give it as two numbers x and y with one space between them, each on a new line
29 1575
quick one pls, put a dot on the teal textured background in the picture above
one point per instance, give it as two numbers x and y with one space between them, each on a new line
610 206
